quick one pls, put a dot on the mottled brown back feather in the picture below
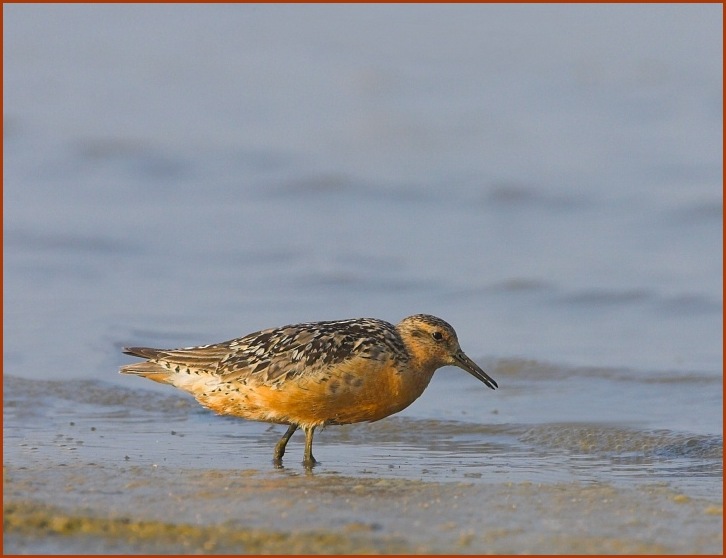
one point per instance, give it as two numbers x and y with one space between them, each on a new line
274 355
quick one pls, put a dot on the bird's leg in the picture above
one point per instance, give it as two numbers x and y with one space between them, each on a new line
280 447
308 459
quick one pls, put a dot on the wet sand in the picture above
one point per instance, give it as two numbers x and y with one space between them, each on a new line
93 468
162 510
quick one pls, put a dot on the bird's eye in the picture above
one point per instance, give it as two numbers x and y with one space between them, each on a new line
437 336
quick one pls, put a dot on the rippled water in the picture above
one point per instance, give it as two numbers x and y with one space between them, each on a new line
455 433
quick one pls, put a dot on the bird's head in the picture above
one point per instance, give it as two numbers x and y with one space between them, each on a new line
433 343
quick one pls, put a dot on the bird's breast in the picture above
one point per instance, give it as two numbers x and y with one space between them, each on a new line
357 391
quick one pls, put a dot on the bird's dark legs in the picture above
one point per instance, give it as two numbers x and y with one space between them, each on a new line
280 447
308 459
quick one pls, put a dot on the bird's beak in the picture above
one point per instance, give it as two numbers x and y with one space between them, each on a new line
464 362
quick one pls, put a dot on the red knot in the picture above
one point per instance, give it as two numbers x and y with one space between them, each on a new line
313 374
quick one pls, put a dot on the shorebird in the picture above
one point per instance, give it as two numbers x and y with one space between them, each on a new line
312 374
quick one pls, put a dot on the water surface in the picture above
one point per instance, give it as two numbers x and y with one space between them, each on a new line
546 178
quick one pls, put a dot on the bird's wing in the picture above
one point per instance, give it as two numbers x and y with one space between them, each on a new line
271 356
275 355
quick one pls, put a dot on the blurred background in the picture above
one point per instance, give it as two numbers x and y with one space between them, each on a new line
547 178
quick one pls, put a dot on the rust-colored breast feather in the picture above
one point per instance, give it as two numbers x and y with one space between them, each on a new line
355 391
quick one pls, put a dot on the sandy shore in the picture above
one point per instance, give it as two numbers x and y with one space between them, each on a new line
164 510
94 468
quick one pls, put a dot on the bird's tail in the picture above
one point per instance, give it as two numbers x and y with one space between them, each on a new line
148 369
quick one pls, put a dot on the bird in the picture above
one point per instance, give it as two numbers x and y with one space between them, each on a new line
312 374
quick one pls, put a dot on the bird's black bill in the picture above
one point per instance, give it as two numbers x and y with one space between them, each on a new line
472 368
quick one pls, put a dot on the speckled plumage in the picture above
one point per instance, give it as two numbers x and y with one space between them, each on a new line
312 374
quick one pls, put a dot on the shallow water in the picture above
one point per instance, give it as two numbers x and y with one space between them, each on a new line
546 178
456 433
95 450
